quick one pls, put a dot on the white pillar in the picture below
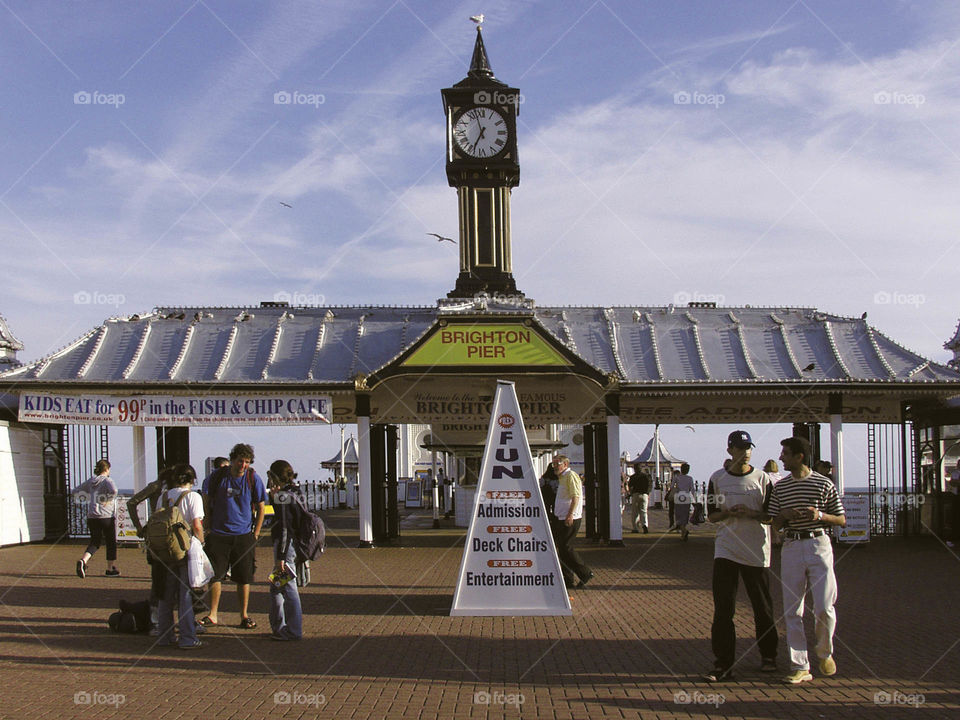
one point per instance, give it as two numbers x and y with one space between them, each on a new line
836 450
139 458
366 484
613 470
436 488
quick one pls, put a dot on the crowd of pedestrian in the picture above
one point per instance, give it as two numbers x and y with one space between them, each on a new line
747 504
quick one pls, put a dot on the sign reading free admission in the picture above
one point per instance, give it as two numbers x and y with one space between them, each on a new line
510 564
169 410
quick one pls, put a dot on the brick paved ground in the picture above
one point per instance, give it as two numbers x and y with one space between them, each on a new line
380 641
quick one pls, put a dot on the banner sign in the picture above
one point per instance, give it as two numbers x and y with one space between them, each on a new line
857 509
486 344
170 410
510 564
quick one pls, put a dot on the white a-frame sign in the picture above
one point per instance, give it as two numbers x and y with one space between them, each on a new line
510 564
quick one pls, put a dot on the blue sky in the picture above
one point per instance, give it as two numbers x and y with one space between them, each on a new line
762 153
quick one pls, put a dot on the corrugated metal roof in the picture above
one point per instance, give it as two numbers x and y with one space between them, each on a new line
641 345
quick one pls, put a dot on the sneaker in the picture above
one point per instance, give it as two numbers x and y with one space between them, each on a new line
950 543
768 665
719 674
828 666
797 677
278 636
112 573
154 631
197 644
81 569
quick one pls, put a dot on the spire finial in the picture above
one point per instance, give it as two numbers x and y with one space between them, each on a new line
479 65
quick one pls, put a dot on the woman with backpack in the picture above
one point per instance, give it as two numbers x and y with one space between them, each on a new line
286 615
176 591
101 493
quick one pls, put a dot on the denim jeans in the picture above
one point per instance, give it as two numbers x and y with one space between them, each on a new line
286 615
176 593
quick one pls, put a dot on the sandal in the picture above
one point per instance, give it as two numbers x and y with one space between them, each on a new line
247 624
207 622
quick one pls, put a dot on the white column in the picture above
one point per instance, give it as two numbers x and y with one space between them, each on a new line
613 470
836 450
366 491
436 488
139 458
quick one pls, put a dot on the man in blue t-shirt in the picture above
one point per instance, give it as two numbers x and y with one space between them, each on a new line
233 495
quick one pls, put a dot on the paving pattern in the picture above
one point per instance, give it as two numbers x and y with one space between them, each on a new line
380 642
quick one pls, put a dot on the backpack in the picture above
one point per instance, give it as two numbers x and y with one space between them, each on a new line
310 538
167 534
131 618
699 517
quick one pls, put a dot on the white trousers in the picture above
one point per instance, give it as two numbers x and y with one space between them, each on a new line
808 564
638 510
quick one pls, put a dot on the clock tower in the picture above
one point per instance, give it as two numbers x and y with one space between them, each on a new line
482 165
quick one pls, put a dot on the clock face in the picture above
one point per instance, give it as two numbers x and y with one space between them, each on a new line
481 132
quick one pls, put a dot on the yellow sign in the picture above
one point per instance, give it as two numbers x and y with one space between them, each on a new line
486 344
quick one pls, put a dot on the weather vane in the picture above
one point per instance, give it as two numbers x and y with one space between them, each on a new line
478 19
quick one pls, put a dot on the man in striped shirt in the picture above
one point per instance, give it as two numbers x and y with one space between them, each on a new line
806 505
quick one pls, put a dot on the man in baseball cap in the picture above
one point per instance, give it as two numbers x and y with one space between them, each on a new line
740 439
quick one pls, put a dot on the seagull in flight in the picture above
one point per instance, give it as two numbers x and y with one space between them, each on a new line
285 204
441 238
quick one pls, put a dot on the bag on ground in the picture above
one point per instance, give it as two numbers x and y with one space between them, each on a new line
166 533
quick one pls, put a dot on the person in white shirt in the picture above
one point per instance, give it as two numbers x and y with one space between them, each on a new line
176 591
737 498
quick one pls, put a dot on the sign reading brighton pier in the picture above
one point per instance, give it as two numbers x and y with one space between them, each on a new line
170 410
485 344
510 564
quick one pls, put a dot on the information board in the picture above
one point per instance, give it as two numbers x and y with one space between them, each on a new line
510 564
857 509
